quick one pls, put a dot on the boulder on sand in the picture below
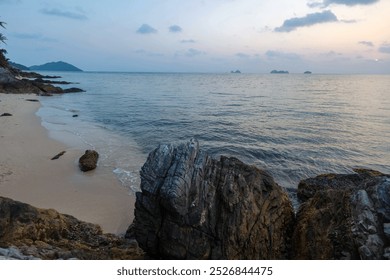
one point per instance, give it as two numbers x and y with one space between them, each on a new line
88 161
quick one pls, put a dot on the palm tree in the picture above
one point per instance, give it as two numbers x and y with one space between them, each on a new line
3 59
2 37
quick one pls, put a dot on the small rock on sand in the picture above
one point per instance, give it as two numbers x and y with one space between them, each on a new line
88 161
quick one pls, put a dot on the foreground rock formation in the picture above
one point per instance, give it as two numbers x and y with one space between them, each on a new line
192 206
195 207
47 234
344 217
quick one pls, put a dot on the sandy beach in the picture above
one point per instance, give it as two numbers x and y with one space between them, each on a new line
28 174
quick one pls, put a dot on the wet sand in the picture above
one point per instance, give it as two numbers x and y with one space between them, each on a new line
28 174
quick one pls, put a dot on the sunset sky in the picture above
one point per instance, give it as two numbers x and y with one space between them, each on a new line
256 36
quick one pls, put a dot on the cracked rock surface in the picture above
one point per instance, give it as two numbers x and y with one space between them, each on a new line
195 207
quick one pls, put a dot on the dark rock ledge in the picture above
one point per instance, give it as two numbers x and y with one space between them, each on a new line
16 81
192 206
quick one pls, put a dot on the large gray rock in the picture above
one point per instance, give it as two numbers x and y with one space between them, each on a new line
344 217
6 76
195 207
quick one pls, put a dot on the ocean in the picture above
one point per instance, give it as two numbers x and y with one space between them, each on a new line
294 126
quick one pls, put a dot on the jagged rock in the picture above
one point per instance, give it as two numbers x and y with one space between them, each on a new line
307 188
13 253
14 81
47 234
343 216
88 161
6 76
195 207
386 230
386 255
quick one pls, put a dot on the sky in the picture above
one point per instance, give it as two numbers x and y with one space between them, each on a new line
254 36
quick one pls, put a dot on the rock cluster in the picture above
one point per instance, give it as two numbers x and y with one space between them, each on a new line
15 81
47 234
344 217
195 207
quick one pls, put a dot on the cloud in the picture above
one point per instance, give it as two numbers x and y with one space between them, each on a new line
64 13
32 36
148 53
9 2
277 54
385 48
175 29
193 52
315 4
331 54
146 29
27 36
348 20
265 28
190 53
242 55
308 20
366 43
326 3
188 41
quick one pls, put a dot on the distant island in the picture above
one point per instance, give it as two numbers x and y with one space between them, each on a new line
51 66
235 72
307 72
279 72
55 66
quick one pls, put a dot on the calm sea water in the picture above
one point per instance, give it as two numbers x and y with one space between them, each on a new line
294 126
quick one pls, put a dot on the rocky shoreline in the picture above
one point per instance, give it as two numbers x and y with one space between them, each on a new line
192 206
15 81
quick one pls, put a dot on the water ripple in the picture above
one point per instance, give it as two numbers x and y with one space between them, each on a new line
294 126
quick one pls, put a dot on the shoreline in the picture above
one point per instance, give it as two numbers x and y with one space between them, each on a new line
28 174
